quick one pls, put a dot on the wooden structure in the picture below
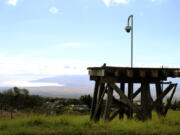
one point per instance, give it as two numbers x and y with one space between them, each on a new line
109 79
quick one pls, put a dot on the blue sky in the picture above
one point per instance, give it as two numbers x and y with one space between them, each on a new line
52 37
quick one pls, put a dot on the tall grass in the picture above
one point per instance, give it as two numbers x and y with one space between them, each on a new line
81 125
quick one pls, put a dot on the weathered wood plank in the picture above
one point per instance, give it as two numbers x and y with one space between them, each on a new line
135 72
100 72
137 92
142 73
170 99
159 106
155 73
130 73
108 103
146 101
94 101
121 113
115 113
98 109
130 96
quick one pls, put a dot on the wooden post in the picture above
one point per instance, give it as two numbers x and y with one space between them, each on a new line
99 102
108 103
130 94
94 101
169 102
159 107
146 101
121 112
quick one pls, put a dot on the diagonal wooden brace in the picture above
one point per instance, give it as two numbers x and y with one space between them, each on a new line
170 99
99 103
137 92
166 91
126 99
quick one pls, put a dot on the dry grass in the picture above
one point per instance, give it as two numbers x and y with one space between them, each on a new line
80 125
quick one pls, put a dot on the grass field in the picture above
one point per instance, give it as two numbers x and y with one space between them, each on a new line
80 125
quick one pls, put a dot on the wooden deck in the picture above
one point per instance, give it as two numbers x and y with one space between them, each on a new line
136 75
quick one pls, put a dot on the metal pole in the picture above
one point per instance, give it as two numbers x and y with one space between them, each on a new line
131 41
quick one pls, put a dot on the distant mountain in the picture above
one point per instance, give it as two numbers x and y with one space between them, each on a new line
73 86
69 80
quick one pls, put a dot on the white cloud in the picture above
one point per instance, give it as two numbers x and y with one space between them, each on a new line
53 10
22 65
12 2
120 1
75 44
27 84
109 2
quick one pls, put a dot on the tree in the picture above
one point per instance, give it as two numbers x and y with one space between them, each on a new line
86 99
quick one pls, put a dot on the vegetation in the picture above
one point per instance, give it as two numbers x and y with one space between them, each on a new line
26 121
20 100
80 125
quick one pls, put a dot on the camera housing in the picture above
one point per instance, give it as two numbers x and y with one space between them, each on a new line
128 29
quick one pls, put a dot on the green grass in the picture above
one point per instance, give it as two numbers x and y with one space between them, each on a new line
81 125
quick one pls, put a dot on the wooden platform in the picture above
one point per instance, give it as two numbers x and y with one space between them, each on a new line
106 82
136 75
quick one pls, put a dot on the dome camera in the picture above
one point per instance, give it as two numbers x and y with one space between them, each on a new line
128 29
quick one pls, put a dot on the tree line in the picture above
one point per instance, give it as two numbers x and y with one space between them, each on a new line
20 99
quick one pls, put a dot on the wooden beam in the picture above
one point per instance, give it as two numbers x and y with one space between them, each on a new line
146 101
94 101
98 109
108 103
137 92
170 99
159 106
100 72
125 98
121 113
166 91
115 113
130 96
122 86
130 73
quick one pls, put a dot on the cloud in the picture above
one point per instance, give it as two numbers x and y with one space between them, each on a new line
120 1
109 2
53 10
28 84
12 2
75 44
23 65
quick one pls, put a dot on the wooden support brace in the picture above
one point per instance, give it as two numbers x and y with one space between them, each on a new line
94 101
98 109
128 102
162 95
130 96
121 113
159 106
114 114
108 103
137 92
170 99
146 101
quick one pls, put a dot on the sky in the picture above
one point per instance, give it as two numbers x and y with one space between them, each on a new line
42 38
